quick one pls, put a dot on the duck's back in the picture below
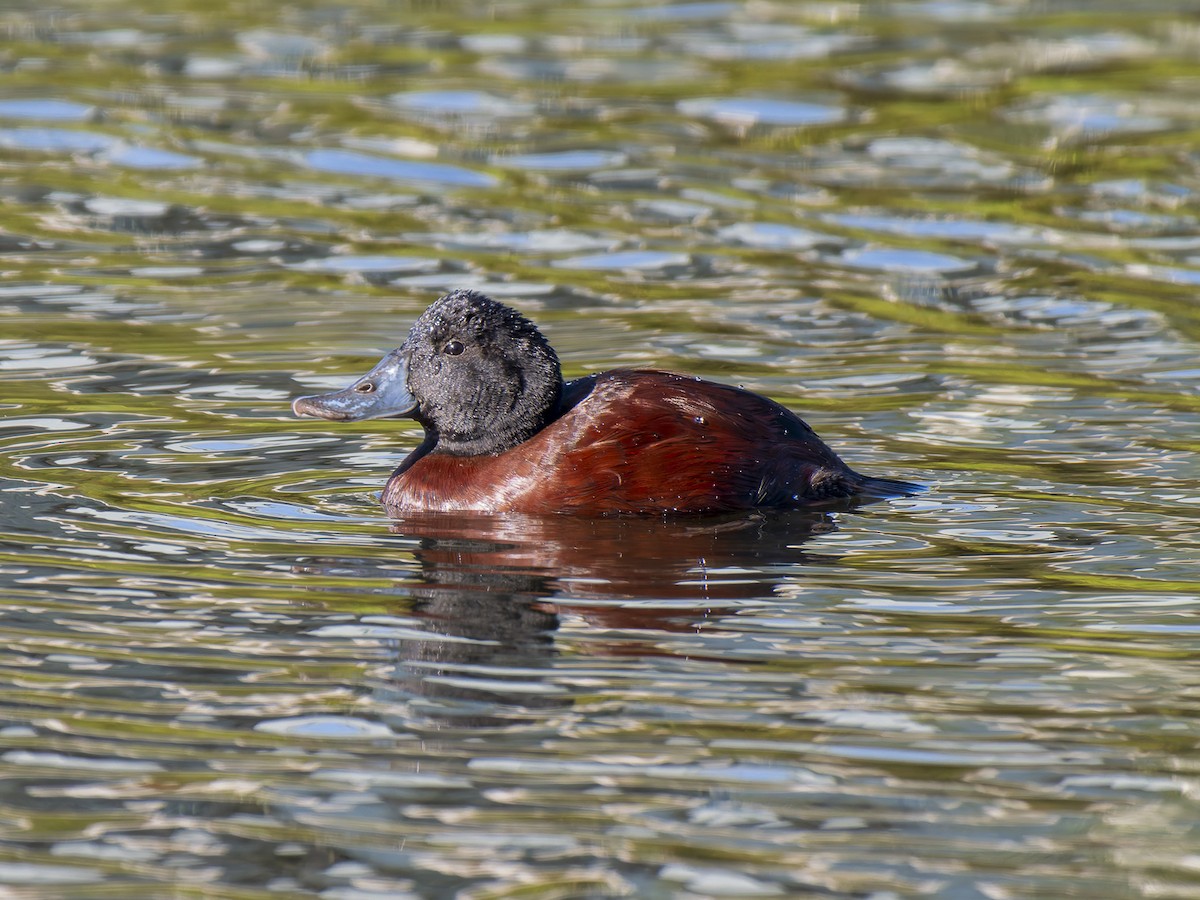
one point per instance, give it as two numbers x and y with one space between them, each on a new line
642 442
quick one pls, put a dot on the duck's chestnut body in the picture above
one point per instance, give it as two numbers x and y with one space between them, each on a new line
639 442
505 434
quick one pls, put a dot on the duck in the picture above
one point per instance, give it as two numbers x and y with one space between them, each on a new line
504 433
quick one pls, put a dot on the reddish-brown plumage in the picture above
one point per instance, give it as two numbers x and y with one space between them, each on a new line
503 433
638 442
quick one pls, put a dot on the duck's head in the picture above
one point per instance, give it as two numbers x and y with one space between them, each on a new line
475 373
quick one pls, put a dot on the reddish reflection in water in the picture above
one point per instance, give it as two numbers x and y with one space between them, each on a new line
576 559
491 589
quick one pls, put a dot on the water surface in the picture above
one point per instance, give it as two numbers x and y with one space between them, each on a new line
958 238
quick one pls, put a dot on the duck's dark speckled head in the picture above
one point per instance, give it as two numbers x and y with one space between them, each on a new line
477 374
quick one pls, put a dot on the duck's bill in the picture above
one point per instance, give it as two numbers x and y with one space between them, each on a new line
381 392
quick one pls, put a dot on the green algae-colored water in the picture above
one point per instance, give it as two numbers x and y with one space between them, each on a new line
959 238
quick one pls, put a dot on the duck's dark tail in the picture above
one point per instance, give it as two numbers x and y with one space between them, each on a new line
886 488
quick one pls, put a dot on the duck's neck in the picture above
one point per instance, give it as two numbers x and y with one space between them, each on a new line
422 449
495 431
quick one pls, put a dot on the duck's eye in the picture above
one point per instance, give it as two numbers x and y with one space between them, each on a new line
365 387
453 348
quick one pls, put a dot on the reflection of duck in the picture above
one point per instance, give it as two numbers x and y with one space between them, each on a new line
503 433
575 560
487 602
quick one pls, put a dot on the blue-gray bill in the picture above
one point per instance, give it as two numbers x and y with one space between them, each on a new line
381 392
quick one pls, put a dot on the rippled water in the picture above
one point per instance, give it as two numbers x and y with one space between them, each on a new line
960 238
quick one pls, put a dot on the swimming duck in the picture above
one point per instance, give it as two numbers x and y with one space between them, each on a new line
505 433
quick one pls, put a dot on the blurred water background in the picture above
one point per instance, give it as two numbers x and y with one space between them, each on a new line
959 238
